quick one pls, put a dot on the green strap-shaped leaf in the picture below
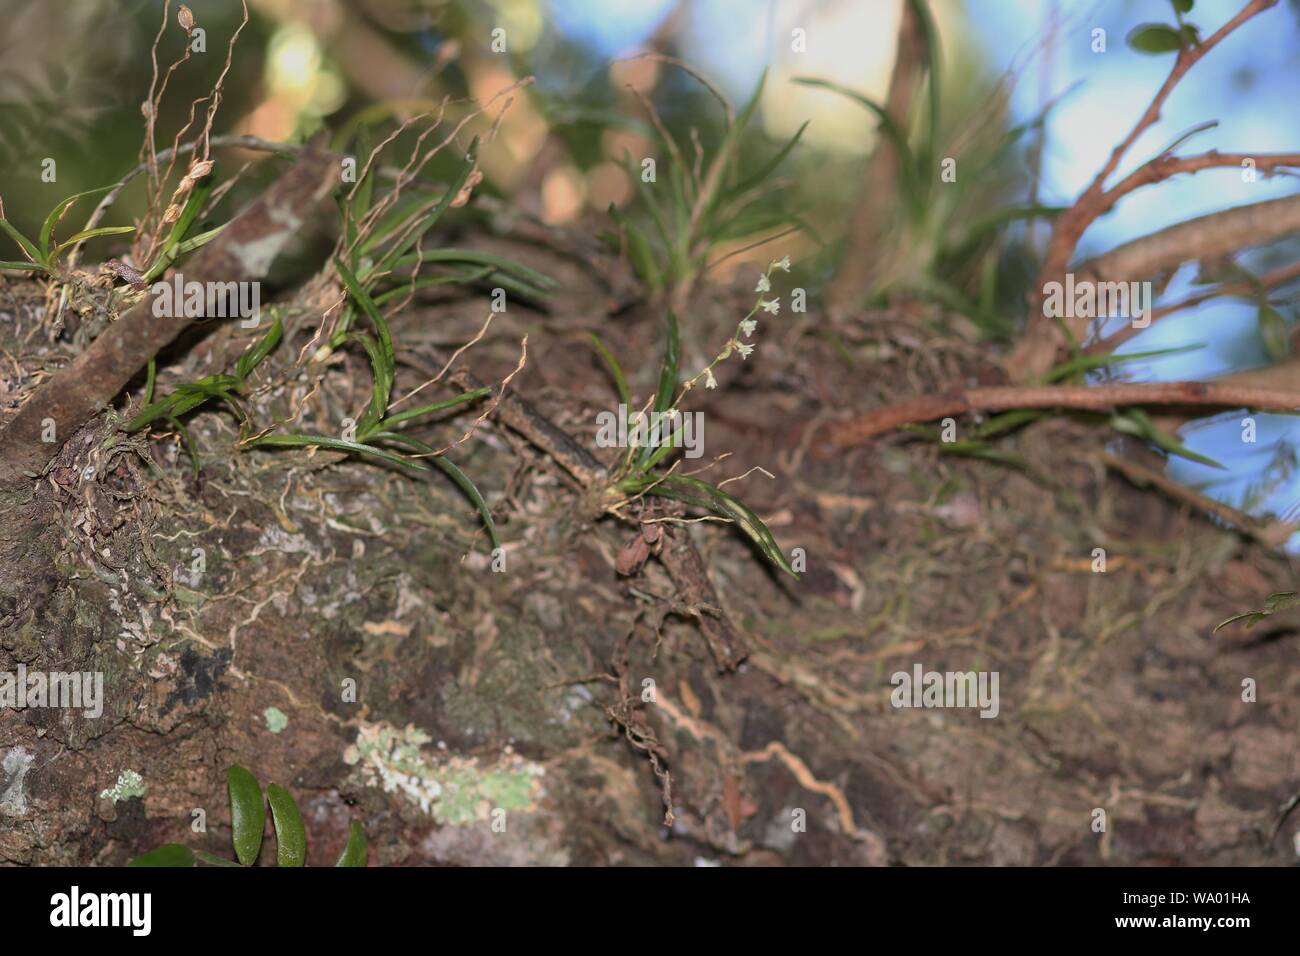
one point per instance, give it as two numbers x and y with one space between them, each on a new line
247 814
252 356
667 380
461 479
1276 603
701 493
615 370
383 362
639 251
466 277
172 245
930 40
355 853
90 234
453 190
382 384
432 407
27 245
47 227
766 169
335 444
474 257
169 854
290 834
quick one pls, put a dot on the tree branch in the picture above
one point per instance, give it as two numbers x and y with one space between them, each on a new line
1088 397
1035 353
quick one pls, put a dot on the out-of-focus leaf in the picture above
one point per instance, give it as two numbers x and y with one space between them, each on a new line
1274 333
1155 38
1136 422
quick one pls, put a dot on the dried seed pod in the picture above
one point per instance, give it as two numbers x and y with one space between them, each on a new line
200 169
185 18
172 214
475 177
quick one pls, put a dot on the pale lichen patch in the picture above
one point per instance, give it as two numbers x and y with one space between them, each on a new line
129 784
453 790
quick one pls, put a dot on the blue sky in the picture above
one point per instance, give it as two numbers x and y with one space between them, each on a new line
1250 85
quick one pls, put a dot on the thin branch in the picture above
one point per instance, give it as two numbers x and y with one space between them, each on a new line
1034 355
1269 280
1087 397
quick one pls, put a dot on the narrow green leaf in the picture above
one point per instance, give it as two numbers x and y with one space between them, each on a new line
666 391
730 507
1084 363
362 298
615 370
335 444
252 356
471 491
382 384
1275 603
459 278
29 266
1136 422
432 407
90 234
27 246
247 814
354 854
198 239
403 246
668 371
933 61
169 854
461 479
172 245
766 170
474 257
648 199
47 227
290 834
356 202
639 251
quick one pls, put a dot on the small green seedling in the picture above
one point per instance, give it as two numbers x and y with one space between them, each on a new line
645 469
248 822
43 254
